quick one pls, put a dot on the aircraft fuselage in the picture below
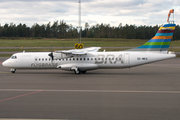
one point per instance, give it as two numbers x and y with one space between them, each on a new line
90 61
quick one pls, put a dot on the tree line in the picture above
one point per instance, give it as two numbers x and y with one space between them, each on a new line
59 29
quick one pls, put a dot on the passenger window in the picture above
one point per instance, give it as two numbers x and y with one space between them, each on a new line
70 59
144 58
87 58
91 58
46 59
35 59
39 59
94 58
112 58
73 58
80 58
77 59
43 59
84 58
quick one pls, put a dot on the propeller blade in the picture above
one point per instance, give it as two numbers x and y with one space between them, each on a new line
51 55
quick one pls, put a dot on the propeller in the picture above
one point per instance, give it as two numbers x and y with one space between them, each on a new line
51 55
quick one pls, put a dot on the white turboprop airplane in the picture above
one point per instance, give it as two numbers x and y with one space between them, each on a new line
82 60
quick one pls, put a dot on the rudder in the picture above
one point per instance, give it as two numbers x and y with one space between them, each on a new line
160 42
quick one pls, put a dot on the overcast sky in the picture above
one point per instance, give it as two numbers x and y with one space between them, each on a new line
113 12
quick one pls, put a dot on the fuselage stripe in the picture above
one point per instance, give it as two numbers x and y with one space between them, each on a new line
157 43
162 37
165 31
165 28
164 34
154 46
169 25
160 40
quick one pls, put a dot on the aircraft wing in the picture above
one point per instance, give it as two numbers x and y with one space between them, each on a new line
79 51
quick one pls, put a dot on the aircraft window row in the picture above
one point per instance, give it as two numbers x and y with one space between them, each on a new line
142 58
42 59
46 59
13 57
87 59
75 59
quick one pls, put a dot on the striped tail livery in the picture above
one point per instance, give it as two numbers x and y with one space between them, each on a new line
161 41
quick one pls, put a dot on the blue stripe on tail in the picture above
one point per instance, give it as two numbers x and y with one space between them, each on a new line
161 44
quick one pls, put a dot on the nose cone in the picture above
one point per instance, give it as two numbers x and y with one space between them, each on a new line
5 64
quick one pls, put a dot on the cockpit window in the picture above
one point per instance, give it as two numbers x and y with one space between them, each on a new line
13 57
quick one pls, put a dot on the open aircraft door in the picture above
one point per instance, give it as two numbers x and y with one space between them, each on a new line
126 59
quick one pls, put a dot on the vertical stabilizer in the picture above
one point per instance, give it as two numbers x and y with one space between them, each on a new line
160 42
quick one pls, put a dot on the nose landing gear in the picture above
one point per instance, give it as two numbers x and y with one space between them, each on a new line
13 70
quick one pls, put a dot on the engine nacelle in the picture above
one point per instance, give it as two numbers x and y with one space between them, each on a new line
82 67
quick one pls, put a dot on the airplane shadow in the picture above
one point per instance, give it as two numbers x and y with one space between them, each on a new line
90 73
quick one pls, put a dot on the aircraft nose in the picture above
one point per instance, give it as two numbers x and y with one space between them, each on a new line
4 63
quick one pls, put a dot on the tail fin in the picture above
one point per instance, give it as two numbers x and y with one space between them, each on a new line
160 42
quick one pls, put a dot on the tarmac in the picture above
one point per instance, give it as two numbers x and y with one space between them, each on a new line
148 92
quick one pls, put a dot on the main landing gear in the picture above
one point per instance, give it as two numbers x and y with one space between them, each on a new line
13 70
77 70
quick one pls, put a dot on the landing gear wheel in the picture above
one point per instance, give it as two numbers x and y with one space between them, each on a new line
13 70
77 71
